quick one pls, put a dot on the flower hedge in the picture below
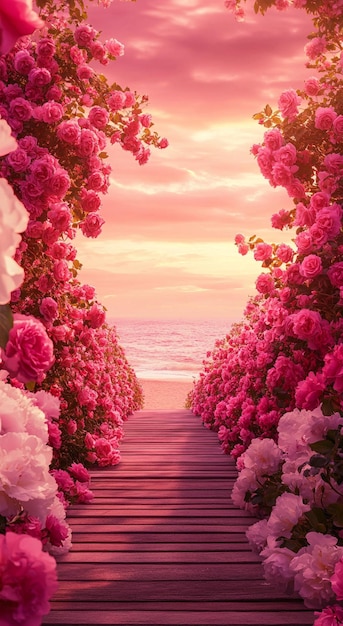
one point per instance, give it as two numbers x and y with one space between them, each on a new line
66 387
272 388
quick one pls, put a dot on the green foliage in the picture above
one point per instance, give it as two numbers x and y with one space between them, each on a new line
6 323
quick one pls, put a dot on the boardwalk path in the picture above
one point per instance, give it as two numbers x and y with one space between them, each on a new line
162 543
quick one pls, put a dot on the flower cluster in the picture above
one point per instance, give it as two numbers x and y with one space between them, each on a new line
272 388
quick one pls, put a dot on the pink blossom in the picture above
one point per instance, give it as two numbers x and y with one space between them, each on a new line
264 283
114 47
338 125
16 19
49 309
305 216
333 368
315 47
91 226
61 271
117 100
286 154
288 104
312 86
309 391
84 35
29 351
95 316
39 77
330 616
311 266
98 116
335 274
23 62
28 580
334 162
273 139
262 252
90 201
21 109
324 118
51 112
285 253
69 131
79 472
337 580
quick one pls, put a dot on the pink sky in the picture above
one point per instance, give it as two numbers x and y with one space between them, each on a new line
167 251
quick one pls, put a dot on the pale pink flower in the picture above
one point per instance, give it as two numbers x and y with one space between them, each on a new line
276 565
13 220
257 535
263 457
16 19
114 47
288 104
313 567
28 580
286 513
312 86
315 47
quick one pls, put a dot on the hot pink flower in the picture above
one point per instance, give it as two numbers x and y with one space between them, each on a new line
29 352
335 274
311 266
28 580
49 309
16 19
337 580
264 283
330 616
98 116
262 252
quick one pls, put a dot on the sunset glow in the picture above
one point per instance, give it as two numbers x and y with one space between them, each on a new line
167 248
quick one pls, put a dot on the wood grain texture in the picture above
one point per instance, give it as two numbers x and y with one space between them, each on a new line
162 543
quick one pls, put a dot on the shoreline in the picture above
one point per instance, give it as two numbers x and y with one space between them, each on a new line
165 394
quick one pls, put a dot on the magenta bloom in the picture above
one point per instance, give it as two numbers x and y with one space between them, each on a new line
16 19
29 352
28 580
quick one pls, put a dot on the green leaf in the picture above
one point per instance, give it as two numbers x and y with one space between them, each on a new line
336 511
268 110
322 447
6 323
317 460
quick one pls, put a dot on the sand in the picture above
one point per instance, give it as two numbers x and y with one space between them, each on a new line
165 394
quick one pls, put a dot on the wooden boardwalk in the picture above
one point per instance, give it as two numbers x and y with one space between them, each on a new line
162 543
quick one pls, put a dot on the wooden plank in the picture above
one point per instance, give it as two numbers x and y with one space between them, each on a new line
162 543
182 618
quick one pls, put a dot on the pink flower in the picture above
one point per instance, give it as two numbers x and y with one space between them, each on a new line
117 100
79 472
29 352
49 309
273 139
114 47
330 616
262 252
311 266
288 104
309 391
264 283
70 132
16 19
312 86
98 116
61 271
315 47
337 580
23 62
28 580
324 118
90 201
84 35
285 253
335 274
95 316
91 226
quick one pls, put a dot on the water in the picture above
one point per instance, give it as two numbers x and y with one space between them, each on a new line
168 350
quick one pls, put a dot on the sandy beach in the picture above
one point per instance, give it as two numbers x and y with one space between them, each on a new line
165 394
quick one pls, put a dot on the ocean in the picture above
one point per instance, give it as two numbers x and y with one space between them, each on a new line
169 350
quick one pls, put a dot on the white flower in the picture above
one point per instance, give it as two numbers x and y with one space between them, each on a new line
297 429
24 474
7 142
18 413
13 220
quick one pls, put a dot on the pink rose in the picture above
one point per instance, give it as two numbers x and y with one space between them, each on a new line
49 309
330 219
90 201
288 104
46 48
39 77
114 47
337 580
315 47
51 112
98 116
334 162
19 160
307 325
23 62
304 242
84 35
273 139
312 86
21 109
84 72
60 216
324 118
16 19
263 251
29 352
338 125
335 274
59 183
61 271
330 616
285 253
88 142
69 131
95 316
117 100
304 216
91 226
311 266
286 154
28 578
309 391
264 283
